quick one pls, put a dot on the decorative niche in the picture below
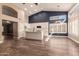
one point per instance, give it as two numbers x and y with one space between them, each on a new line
9 11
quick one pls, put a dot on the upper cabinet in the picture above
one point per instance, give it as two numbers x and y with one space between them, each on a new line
9 11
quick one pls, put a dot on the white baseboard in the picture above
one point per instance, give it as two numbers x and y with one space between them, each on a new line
74 40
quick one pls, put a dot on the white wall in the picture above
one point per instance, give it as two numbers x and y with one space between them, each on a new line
1 29
73 24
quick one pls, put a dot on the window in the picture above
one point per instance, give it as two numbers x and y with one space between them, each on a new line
61 18
9 11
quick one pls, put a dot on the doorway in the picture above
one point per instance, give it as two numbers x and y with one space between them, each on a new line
10 29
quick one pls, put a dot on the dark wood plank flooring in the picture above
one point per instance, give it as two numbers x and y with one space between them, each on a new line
56 46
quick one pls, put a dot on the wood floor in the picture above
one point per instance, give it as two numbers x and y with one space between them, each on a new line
56 46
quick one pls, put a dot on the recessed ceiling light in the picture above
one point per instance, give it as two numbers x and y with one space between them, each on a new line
25 9
31 5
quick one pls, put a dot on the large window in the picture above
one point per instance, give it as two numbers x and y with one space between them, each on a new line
58 24
9 11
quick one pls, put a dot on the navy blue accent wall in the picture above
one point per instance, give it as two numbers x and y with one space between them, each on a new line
44 16
39 17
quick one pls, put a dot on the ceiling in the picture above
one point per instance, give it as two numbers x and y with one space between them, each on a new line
31 8
56 6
